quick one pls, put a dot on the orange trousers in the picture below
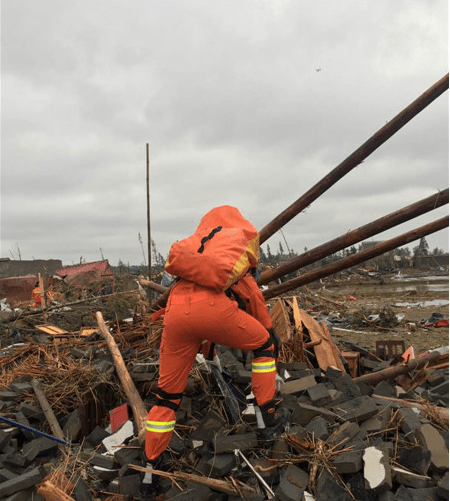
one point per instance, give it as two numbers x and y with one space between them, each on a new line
195 314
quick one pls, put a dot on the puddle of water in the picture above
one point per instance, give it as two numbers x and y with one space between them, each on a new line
406 278
426 287
424 304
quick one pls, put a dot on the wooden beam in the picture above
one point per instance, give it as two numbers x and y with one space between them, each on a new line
357 157
358 258
352 237
135 401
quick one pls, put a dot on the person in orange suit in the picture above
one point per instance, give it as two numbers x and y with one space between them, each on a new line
36 298
238 318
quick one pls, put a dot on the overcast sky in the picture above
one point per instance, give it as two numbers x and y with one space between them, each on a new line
247 103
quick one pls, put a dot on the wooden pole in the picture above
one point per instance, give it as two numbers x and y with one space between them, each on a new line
48 411
358 258
425 409
380 137
390 372
135 401
149 235
363 232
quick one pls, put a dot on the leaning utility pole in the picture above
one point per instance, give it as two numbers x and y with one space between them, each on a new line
357 258
352 237
357 157
149 235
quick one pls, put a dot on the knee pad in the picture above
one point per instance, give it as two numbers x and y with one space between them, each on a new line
265 350
166 399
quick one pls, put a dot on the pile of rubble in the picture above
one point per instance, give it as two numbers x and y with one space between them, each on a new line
68 432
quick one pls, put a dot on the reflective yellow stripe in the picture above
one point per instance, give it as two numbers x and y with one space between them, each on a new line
263 366
160 426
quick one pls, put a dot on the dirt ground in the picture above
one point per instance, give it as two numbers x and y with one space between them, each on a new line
411 296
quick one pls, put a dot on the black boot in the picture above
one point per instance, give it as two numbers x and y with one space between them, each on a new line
148 487
275 420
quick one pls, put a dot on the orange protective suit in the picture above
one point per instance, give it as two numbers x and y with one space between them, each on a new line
36 297
195 313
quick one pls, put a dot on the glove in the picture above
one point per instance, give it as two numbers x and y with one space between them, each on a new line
276 342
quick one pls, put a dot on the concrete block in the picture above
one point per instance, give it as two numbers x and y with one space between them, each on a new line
405 477
348 387
297 385
229 443
293 482
129 485
442 486
373 424
304 413
72 427
125 456
328 489
348 462
280 450
268 471
20 387
346 431
357 487
21 419
221 464
210 426
82 492
21 482
319 395
6 474
416 459
409 422
333 373
410 494
377 471
97 435
318 427
385 389
25 495
102 460
358 409
4 439
16 459
38 447
431 439
31 411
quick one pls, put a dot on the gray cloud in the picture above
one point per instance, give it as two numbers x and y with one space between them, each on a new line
229 97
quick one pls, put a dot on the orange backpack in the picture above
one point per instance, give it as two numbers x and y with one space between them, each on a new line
222 249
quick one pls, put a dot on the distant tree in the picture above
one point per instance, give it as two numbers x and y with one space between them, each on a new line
262 256
422 249
438 252
269 254
281 249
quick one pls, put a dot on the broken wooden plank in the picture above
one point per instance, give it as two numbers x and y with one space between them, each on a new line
325 351
52 330
280 321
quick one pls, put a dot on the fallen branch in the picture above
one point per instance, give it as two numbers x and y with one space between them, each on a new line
425 409
213 483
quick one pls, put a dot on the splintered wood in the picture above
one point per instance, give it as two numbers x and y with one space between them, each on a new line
298 332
